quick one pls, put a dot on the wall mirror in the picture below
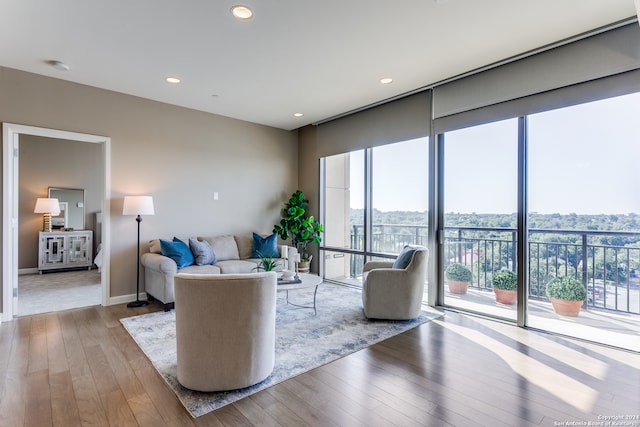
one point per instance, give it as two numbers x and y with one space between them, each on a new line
71 208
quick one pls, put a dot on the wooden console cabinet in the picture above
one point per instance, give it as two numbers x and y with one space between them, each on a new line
65 250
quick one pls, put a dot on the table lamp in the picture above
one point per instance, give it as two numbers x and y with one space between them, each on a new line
47 207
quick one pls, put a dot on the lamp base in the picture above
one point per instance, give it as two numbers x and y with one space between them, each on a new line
137 303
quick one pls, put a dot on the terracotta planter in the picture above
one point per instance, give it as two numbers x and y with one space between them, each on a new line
505 297
456 287
566 308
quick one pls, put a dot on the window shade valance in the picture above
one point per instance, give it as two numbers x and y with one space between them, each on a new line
398 120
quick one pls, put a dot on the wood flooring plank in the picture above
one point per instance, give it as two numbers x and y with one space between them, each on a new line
163 398
38 400
255 414
56 354
12 407
64 409
90 408
283 415
38 358
145 411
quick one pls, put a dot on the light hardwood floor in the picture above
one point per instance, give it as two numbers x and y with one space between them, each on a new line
80 367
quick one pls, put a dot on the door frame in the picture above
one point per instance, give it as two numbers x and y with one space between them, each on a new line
11 135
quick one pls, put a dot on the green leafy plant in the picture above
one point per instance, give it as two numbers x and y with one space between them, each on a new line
267 263
297 225
566 288
505 279
458 272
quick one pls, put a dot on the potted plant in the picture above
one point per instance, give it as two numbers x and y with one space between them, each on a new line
267 263
567 294
458 278
301 228
505 285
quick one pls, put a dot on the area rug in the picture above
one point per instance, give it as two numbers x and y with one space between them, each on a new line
304 341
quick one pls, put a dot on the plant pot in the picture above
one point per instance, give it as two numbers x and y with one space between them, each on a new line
505 297
303 266
456 287
566 308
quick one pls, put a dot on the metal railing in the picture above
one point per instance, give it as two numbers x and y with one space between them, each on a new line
607 262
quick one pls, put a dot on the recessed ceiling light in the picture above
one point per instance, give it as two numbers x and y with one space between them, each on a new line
386 80
58 65
173 80
241 12
298 114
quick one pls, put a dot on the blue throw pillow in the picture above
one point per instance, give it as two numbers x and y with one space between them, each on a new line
177 251
404 258
202 252
265 246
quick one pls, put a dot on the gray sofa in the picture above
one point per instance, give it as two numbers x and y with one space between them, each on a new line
233 256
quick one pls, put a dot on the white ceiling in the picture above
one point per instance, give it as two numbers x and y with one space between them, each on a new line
318 57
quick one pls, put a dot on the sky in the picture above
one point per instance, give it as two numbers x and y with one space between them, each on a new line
583 159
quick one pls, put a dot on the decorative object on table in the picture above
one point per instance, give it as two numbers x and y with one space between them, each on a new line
303 341
287 274
567 294
267 263
46 206
458 278
505 285
296 261
138 205
301 228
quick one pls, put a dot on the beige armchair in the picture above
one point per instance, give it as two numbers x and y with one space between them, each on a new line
394 290
225 329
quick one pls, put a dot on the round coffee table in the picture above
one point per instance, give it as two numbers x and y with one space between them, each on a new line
307 280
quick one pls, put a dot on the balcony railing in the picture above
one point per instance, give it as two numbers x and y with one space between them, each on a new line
607 262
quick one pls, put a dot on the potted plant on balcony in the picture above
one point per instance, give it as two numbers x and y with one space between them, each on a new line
458 278
301 228
567 294
505 285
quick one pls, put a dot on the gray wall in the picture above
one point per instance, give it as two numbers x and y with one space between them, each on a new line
49 162
177 155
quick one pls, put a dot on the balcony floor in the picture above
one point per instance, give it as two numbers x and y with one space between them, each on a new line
593 324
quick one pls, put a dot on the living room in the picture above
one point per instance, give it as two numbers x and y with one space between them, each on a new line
182 157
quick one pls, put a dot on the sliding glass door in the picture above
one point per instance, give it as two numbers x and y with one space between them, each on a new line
375 203
584 219
480 205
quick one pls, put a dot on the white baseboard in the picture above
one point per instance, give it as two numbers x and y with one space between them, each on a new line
23 271
122 299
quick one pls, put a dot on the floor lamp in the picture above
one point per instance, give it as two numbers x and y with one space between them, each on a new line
138 205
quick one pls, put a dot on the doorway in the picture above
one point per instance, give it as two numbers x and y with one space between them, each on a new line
11 137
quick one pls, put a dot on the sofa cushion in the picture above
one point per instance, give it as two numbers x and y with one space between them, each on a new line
201 269
404 258
236 266
265 246
224 247
202 252
154 246
177 251
245 246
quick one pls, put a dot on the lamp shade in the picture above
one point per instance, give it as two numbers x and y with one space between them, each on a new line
138 205
45 205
